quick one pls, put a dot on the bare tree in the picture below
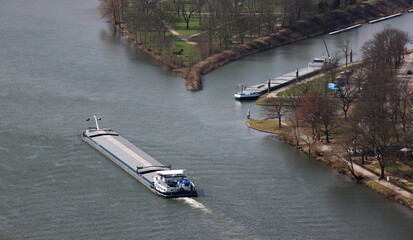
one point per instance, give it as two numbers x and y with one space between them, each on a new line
113 9
380 108
383 106
310 141
347 94
267 8
386 49
328 119
199 5
252 15
344 46
358 78
329 69
406 106
354 139
139 20
208 40
186 9
319 113
376 126
306 112
347 160
293 100
275 110
260 15
228 15
284 7
394 102
294 10
147 21
296 127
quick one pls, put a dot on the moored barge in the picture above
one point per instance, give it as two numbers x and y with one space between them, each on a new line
255 91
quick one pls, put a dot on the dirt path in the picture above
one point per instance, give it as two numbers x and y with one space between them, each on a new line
407 65
331 150
369 174
180 36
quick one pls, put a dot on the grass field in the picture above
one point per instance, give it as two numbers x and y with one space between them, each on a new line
188 56
318 85
269 126
180 26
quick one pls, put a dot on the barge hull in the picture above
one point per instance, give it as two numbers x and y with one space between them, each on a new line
130 158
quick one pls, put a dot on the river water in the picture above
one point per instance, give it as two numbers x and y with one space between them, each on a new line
60 63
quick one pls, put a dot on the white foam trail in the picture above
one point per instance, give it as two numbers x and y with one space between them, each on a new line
195 204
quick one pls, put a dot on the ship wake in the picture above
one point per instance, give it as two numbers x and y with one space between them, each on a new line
195 204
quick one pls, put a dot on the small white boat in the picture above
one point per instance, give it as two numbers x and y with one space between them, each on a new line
247 95
317 62
252 92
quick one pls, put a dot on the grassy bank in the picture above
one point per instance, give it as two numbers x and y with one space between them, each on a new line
319 151
388 193
268 126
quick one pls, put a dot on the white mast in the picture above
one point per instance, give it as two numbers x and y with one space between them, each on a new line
96 121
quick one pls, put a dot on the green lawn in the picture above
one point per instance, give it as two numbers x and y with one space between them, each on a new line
368 1
188 56
180 26
317 85
270 126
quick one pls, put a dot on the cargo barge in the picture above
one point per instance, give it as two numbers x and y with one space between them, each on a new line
255 91
158 178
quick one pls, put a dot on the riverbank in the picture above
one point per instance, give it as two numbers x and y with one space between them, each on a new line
367 171
144 48
332 155
304 29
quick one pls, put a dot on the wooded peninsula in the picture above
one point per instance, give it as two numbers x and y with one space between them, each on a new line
195 37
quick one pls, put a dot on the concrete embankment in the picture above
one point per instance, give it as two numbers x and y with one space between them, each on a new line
304 29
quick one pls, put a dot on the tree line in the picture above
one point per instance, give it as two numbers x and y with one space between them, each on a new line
376 117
